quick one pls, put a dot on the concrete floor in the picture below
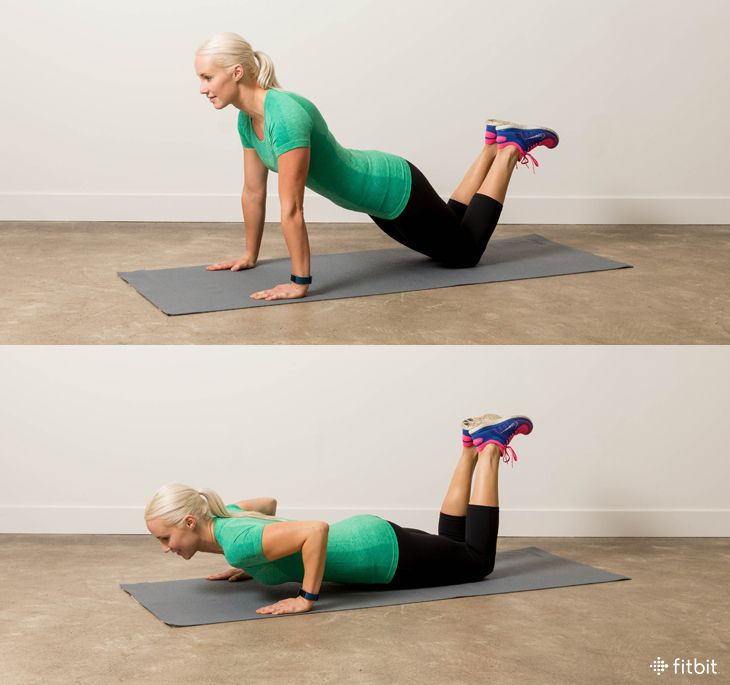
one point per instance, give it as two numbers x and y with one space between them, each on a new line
64 619
58 285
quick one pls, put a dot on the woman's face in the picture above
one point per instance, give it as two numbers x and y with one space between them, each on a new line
215 82
183 539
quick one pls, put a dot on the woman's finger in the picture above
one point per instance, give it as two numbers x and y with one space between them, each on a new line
217 576
280 295
241 575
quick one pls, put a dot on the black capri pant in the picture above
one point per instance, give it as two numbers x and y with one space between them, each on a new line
450 232
462 552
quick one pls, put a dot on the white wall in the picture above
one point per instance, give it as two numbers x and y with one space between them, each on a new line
101 118
627 441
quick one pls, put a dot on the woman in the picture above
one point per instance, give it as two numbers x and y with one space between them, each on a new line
361 550
284 132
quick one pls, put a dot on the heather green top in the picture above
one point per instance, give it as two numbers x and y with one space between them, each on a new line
370 181
360 549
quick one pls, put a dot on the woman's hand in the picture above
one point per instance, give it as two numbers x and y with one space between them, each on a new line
245 262
285 291
296 605
233 575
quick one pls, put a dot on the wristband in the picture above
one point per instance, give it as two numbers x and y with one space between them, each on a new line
308 595
301 280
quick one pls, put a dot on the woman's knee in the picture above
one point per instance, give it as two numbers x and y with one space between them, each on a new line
462 261
482 569
463 254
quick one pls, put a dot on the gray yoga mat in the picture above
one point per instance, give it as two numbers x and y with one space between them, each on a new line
193 289
198 601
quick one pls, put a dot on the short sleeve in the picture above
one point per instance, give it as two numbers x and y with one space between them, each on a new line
292 130
243 131
246 549
233 507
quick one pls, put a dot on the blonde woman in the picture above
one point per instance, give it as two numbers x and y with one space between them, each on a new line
284 132
364 550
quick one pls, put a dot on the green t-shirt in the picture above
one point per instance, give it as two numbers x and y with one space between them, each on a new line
370 181
360 549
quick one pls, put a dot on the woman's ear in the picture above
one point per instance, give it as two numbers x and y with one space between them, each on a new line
190 521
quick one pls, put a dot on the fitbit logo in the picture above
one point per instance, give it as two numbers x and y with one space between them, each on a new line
685 666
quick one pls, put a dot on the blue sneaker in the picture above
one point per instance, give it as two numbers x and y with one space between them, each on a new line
500 432
466 425
526 138
490 136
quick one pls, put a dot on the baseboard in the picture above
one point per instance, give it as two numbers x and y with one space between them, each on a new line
227 208
513 522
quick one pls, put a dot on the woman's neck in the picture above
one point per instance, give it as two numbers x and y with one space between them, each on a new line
208 542
251 100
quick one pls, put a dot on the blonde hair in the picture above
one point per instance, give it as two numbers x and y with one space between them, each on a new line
229 49
174 501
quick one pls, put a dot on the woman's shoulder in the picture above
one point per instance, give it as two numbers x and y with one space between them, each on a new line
286 94
289 100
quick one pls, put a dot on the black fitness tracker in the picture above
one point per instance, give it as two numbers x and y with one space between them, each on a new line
308 595
301 280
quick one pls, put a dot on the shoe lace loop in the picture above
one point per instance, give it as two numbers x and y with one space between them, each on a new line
524 160
508 454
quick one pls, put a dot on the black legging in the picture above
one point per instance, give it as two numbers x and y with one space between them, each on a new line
450 232
462 552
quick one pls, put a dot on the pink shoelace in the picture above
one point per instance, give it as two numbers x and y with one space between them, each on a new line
524 160
508 454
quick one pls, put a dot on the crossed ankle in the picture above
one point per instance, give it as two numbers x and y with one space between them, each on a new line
491 452
509 152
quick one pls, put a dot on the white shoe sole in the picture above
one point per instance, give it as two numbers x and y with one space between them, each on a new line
487 423
468 423
499 122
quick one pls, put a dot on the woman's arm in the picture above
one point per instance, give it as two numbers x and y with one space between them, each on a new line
282 539
253 200
293 171
254 215
253 204
264 505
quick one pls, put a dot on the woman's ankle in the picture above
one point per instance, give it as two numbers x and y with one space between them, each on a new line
491 452
509 153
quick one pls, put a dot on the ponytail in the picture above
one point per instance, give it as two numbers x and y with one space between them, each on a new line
229 49
174 501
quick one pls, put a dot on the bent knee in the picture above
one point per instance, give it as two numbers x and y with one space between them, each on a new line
482 570
467 261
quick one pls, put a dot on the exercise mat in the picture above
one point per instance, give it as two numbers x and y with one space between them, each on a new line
199 601
193 289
